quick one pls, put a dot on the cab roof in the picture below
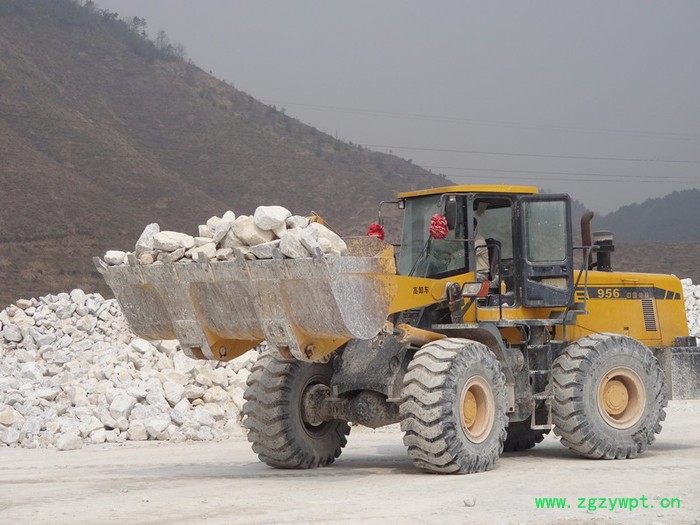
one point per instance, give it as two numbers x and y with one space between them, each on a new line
475 188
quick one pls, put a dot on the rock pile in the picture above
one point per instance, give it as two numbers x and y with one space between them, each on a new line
272 232
691 292
72 373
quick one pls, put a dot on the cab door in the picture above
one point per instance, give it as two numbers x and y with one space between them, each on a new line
546 251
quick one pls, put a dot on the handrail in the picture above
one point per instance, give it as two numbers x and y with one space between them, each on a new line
588 250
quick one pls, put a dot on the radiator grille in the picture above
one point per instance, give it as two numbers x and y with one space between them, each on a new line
649 315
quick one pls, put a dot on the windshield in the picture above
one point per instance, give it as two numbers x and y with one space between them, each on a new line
416 220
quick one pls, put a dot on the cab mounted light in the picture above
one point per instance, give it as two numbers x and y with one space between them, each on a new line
475 289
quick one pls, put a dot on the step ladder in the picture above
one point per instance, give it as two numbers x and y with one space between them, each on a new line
541 380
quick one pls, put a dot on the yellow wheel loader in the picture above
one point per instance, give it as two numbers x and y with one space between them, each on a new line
486 330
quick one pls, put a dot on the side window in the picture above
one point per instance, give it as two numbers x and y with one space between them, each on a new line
448 256
495 222
545 227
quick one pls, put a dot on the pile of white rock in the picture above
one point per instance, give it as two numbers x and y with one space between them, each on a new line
691 292
272 232
71 373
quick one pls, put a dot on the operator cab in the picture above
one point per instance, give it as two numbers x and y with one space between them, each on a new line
514 238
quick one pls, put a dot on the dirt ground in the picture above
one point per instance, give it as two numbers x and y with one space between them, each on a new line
372 482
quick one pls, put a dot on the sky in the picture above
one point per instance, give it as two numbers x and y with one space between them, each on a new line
598 99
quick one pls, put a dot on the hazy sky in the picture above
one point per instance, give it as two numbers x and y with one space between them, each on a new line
580 97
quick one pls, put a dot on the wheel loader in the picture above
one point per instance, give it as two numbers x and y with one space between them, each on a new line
484 330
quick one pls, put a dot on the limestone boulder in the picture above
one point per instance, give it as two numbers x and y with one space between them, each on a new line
271 218
265 250
145 242
248 232
291 244
330 242
114 257
169 241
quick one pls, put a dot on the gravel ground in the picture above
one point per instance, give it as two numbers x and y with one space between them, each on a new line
372 482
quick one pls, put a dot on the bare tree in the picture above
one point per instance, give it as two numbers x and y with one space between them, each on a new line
162 41
137 25
179 51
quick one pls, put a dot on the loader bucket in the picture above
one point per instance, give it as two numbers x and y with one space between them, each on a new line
305 307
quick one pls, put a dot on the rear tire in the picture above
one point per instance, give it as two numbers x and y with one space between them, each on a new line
454 407
608 397
273 414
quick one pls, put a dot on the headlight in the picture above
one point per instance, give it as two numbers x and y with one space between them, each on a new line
475 289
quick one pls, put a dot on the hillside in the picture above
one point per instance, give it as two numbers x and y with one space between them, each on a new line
102 133
673 218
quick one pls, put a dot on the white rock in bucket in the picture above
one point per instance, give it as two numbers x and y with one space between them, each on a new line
272 218
169 241
205 231
292 246
223 226
297 221
265 250
171 257
201 241
232 242
148 257
230 237
145 242
310 242
114 257
224 254
198 253
245 229
330 242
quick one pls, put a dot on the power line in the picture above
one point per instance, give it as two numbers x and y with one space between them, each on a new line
494 123
575 174
238 134
606 181
537 155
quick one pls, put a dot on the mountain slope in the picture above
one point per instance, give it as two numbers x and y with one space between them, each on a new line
673 218
101 134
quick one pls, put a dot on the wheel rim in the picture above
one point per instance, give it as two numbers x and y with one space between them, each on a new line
477 409
621 397
312 428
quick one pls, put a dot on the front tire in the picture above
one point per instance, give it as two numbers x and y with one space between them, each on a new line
273 414
608 397
454 407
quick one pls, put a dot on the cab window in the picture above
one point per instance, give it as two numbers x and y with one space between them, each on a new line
545 228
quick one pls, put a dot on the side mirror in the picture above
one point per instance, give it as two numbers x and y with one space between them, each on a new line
451 213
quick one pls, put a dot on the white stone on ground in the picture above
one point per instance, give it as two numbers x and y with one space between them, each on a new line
71 373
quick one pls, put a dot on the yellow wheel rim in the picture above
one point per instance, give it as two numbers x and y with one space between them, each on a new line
621 397
478 409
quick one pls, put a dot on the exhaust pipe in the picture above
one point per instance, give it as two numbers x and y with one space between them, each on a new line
586 239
